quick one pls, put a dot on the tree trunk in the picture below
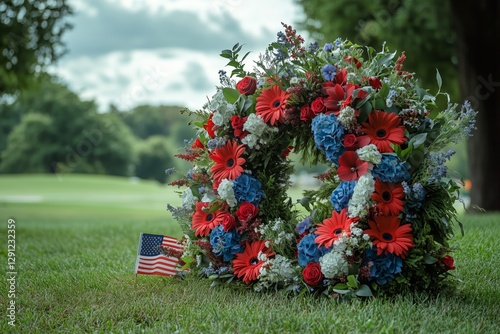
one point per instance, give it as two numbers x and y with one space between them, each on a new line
477 26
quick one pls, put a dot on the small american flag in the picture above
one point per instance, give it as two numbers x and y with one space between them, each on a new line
150 258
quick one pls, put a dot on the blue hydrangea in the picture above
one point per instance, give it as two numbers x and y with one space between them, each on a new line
391 169
384 267
328 136
303 225
328 47
342 195
225 244
328 72
309 250
247 189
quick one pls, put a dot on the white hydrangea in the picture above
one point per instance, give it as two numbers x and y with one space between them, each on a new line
275 270
217 118
332 264
226 192
361 197
208 197
255 125
370 154
188 200
251 141
223 110
347 117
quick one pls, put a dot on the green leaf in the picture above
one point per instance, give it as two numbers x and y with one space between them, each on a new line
341 286
428 259
364 291
384 91
418 140
386 59
231 95
439 80
379 104
352 282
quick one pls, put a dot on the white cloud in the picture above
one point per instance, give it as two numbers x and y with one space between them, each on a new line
139 71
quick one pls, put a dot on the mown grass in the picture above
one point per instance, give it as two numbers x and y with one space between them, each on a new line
76 252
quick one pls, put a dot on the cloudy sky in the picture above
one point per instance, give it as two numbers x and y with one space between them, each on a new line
129 52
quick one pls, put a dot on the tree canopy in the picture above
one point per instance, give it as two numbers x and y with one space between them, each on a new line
31 32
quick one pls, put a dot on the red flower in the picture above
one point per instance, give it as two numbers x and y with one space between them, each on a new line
375 83
389 197
383 129
203 221
246 212
228 161
237 122
227 221
306 114
351 166
286 152
312 274
318 106
448 262
389 236
336 94
247 265
356 62
210 126
270 105
341 77
352 142
332 228
247 85
197 144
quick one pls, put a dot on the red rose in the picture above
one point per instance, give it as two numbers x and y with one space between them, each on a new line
318 106
237 123
312 274
350 141
197 144
247 85
246 212
375 83
449 263
306 113
227 221
210 126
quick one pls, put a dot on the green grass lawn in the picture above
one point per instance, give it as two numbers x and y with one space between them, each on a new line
76 243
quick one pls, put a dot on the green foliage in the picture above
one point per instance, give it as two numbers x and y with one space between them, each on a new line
31 39
154 156
67 134
421 28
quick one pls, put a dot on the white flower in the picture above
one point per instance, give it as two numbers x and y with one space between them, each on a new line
208 197
218 119
370 153
347 117
251 141
255 125
361 197
226 192
332 264
188 200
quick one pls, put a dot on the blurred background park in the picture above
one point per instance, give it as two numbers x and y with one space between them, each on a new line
95 87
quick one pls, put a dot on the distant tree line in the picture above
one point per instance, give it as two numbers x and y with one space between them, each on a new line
49 129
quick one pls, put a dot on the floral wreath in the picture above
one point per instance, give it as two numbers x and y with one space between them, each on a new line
382 218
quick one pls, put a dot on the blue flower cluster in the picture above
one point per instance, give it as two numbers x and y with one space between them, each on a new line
384 267
328 72
391 169
342 195
309 250
303 225
437 165
248 189
328 136
414 199
225 244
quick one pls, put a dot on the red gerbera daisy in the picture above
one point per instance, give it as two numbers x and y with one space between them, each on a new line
271 103
204 221
383 129
228 161
332 228
389 236
351 166
247 265
389 197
